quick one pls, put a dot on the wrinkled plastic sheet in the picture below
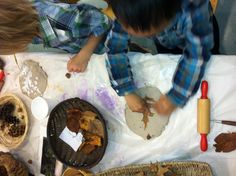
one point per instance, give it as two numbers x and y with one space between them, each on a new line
179 141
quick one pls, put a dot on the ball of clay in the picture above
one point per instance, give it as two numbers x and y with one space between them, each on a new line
33 79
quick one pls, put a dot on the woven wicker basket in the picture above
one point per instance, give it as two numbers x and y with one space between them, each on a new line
177 168
20 109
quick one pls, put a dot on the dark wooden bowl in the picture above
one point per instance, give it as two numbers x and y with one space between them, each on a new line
62 151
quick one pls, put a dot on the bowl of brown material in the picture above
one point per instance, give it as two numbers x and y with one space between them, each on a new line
78 116
13 121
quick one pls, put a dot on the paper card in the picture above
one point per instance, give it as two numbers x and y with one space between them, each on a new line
73 140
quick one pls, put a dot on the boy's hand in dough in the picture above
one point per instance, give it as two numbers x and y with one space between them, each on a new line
136 103
164 106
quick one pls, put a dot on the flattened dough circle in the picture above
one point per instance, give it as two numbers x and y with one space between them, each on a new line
32 79
156 123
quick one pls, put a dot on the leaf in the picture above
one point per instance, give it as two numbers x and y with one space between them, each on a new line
145 118
225 142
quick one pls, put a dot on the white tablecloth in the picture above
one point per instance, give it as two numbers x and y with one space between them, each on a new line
179 141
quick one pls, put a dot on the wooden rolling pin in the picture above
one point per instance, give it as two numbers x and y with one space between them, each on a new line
203 116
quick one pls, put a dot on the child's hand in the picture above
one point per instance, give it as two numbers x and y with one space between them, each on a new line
136 103
164 106
78 63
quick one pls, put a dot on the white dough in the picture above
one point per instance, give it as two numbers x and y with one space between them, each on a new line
32 79
156 123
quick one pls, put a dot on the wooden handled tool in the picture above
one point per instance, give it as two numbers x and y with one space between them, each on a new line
225 122
203 116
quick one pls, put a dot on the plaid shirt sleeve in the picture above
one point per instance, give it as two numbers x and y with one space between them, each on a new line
118 64
68 26
199 41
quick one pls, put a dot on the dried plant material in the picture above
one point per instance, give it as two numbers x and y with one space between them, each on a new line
16 130
73 118
163 170
86 120
225 142
91 128
149 136
91 142
12 126
87 148
147 112
68 75
84 124
145 119
9 166
141 173
89 114
75 172
96 127
92 139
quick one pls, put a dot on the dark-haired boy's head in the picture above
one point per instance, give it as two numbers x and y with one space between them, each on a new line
145 17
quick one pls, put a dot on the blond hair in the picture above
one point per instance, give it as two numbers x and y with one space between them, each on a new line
18 25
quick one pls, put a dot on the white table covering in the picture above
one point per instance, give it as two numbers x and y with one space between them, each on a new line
179 141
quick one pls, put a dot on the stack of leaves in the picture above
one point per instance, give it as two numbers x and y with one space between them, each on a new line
91 128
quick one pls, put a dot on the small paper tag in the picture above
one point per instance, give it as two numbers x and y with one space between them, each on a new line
73 140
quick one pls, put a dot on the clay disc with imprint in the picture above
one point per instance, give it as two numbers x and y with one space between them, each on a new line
32 79
156 123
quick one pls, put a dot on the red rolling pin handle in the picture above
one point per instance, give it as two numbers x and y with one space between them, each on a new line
204 90
203 143
2 75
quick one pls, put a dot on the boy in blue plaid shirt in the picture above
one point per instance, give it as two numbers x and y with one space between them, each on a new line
78 29
177 25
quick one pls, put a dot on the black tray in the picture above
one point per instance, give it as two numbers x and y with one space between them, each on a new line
62 151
